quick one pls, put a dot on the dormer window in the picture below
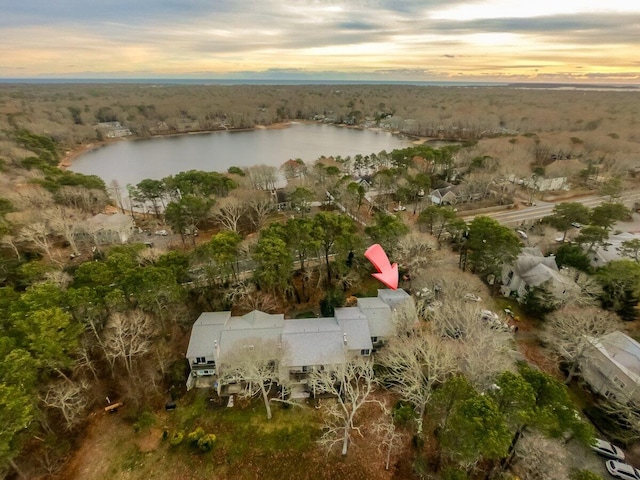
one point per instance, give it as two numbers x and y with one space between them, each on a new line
365 352
201 360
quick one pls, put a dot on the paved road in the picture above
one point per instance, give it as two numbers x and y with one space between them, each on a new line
525 215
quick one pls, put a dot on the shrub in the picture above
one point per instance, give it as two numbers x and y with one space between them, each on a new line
206 442
176 438
145 420
585 475
195 436
402 413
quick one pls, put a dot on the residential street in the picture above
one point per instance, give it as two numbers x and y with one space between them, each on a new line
519 216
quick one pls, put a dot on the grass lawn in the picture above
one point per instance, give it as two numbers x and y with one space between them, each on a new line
248 446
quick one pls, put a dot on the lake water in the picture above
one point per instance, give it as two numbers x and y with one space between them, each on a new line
130 161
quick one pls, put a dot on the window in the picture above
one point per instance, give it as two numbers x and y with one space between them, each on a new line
509 278
365 352
618 383
201 360
374 339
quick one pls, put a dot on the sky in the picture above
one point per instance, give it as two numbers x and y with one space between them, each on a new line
573 41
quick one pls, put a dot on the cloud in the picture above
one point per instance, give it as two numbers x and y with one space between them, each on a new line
225 37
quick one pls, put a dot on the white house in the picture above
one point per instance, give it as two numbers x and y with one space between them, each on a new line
611 366
600 255
533 269
304 344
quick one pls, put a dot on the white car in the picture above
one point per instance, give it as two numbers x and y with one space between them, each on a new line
471 297
607 449
163 233
622 470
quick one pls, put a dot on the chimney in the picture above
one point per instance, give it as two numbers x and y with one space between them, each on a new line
344 338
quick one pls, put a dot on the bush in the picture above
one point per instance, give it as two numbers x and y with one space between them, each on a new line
206 442
195 436
402 413
176 438
585 475
145 420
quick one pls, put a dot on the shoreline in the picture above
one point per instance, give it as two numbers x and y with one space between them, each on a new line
71 154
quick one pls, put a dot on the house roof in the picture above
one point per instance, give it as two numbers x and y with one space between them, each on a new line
394 298
378 315
355 326
535 269
206 331
603 255
315 341
253 325
312 341
623 350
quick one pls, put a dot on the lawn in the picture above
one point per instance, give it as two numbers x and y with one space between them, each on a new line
247 446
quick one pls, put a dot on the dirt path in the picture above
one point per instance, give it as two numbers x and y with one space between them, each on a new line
94 457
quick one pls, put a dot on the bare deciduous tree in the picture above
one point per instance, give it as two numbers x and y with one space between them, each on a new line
569 332
69 398
63 221
389 436
258 204
128 336
540 458
255 362
352 384
229 211
87 200
262 177
10 241
247 297
482 343
415 365
37 233
59 278
414 251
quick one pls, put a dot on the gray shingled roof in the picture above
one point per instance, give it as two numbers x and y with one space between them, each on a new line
205 332
256 324
312 341
623 350
379 315
355 325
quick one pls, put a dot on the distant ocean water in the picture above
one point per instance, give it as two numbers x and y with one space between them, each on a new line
244 81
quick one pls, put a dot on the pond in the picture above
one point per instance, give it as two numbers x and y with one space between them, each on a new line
130 161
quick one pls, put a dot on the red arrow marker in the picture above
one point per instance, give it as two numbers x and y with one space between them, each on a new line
388 273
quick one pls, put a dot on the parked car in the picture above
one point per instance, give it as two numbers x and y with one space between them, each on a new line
576 225
471 297
607 449
164 233
622 470
522 234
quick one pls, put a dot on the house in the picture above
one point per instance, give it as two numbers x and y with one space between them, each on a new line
601 255
532 269
444 196
108 228
303 344
113 129
611 366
